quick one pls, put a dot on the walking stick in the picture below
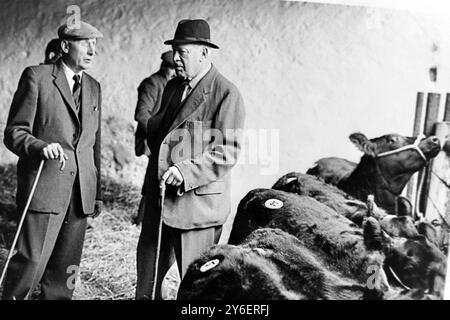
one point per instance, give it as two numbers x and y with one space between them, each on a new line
22 219
162 195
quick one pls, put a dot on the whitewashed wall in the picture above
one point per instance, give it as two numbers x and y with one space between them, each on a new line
312 73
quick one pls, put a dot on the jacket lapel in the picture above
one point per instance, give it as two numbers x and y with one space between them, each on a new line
86 99
195 98
60 82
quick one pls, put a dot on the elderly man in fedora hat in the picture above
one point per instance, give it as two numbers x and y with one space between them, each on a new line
194 145
55 116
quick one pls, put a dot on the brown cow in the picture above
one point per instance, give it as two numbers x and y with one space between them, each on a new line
387 165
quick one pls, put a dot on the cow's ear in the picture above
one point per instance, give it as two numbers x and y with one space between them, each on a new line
363 144
404 207
373 238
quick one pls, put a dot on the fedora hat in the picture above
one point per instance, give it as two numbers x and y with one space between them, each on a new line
192 31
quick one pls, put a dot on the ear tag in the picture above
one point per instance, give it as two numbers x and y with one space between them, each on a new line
273 204
260 251
291 179
209 265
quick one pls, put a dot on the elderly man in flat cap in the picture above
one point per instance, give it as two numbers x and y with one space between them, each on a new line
149 101
55 117
194 144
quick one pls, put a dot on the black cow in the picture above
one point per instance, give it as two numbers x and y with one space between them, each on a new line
417 261
336 240
269 264
355 210
428 230
332 170
331 196
381 171
272 264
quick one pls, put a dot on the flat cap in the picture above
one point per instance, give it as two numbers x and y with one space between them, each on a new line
82 31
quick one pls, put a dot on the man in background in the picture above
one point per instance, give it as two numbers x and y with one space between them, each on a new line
149 101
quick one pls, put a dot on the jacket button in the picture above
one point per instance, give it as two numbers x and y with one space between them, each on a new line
72 173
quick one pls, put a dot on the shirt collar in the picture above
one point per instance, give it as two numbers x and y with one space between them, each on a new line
197 78
69 72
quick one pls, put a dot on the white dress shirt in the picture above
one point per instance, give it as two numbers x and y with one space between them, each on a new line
69 75
193 82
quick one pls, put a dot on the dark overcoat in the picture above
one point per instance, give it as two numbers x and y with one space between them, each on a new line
203 142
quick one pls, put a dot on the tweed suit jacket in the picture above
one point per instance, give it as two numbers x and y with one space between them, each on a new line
203 142
43 111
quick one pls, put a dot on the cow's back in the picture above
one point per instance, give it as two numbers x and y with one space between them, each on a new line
332 170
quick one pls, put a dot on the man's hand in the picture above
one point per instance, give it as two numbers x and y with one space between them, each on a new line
172 177
97 208
54 151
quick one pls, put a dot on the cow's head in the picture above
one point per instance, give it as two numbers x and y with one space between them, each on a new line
399 226
410 158
420 263
394 158
416 261
429 231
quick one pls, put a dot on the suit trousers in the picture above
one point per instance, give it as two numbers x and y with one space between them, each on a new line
49 251
182 246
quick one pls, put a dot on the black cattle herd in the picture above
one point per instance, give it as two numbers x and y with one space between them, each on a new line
341 231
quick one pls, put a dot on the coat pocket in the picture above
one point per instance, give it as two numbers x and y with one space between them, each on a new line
200 133
216 187
52 192
198 123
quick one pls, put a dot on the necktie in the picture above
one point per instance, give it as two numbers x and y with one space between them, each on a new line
177 102
181 92
186 90
76 92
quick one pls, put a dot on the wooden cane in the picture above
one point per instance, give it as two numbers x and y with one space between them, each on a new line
162 195
22 219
